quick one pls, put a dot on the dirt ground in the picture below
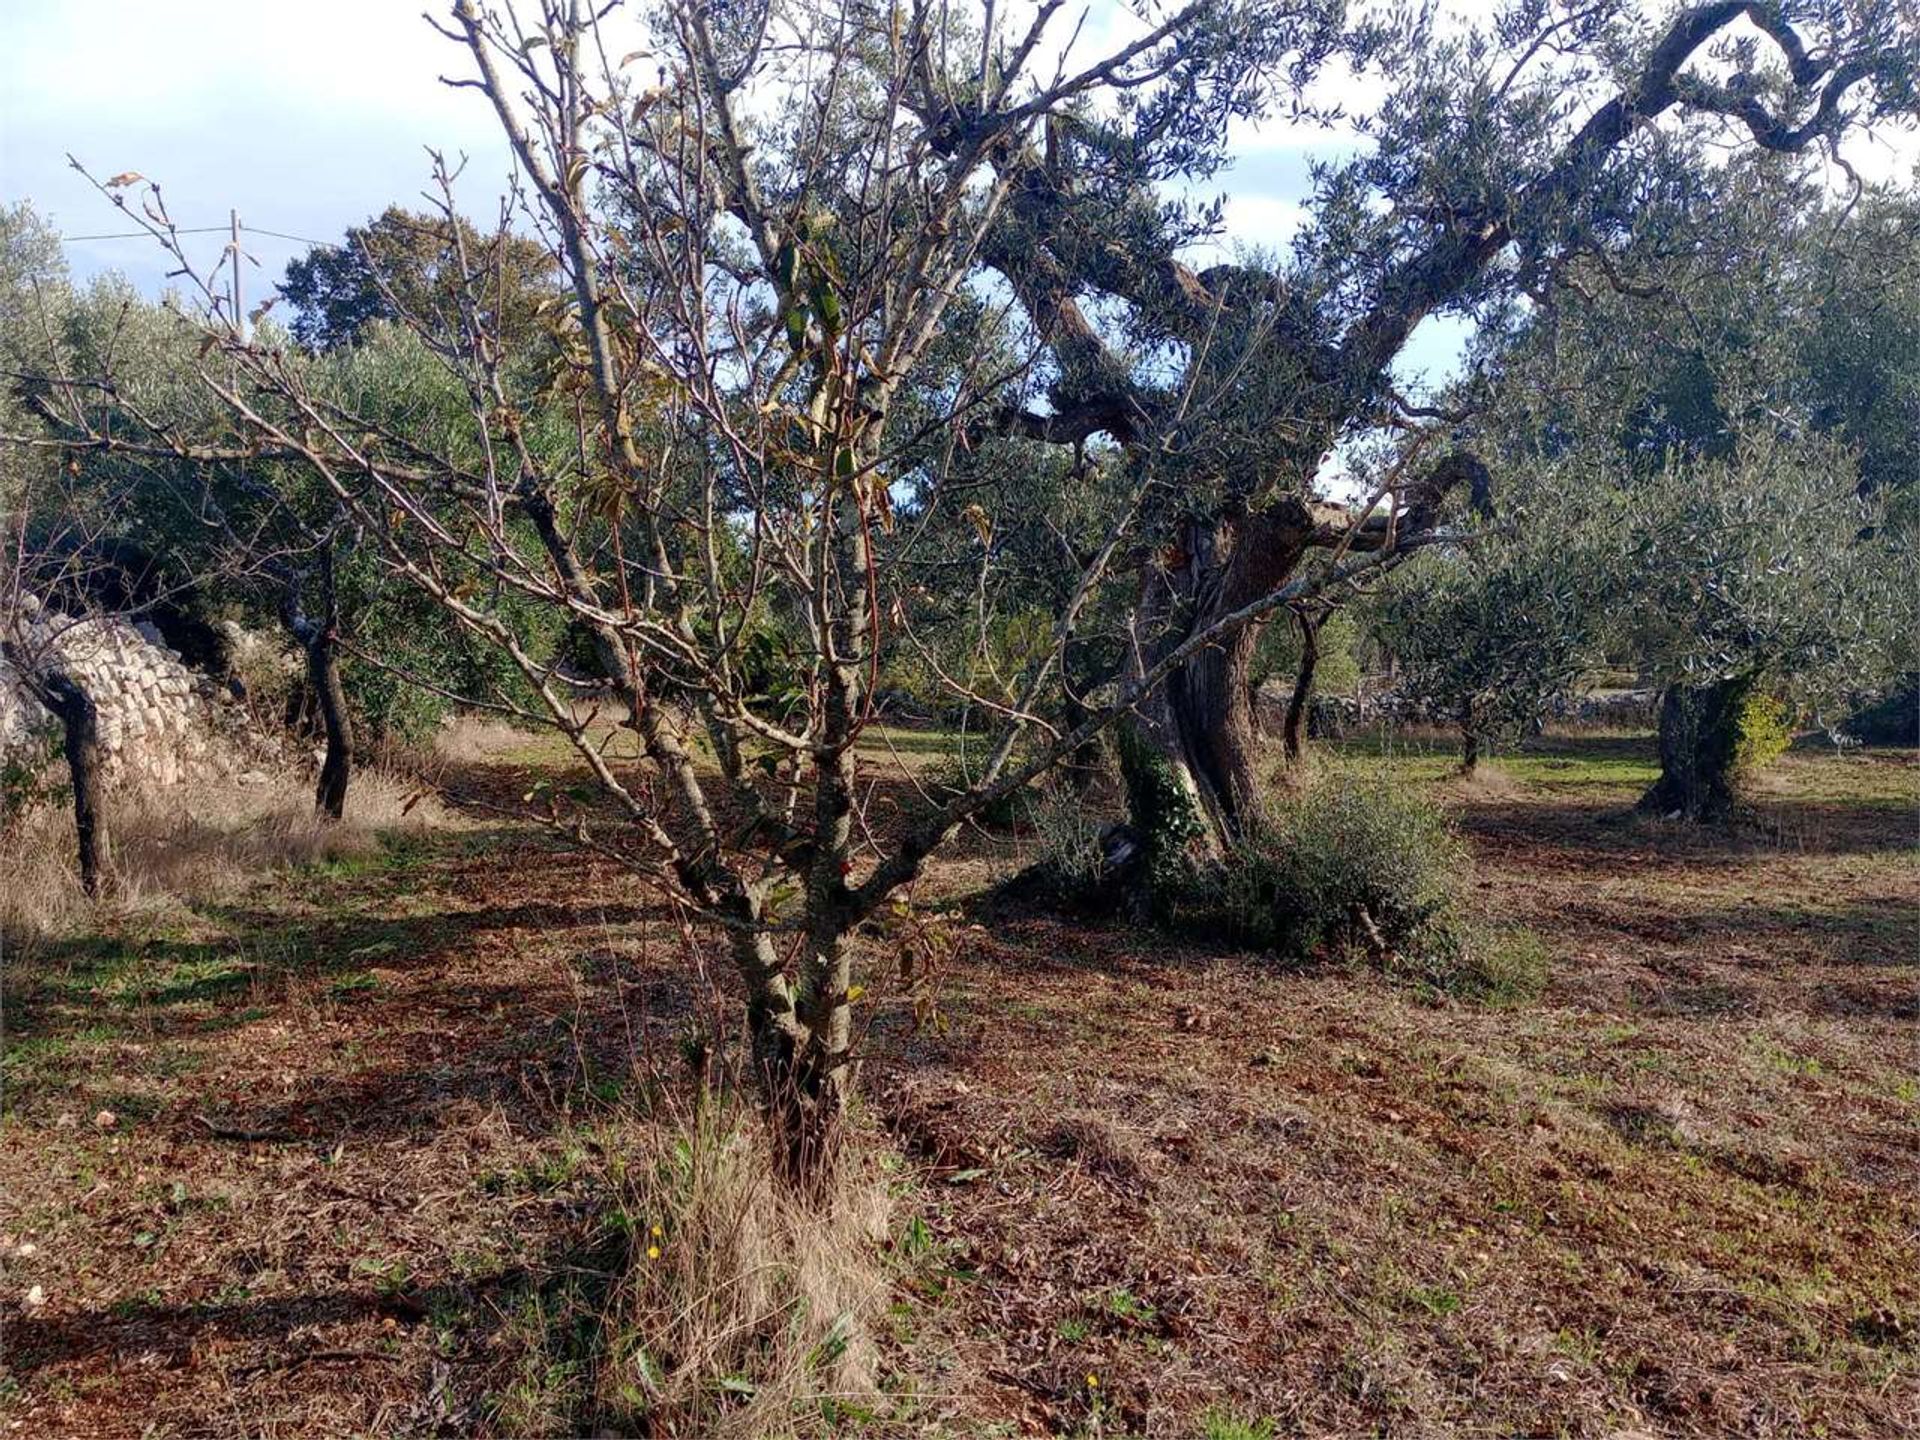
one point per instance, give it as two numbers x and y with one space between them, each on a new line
300 1163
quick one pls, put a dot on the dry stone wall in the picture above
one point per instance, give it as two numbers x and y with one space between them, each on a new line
161 721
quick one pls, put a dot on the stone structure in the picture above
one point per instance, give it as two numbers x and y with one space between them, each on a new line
161 721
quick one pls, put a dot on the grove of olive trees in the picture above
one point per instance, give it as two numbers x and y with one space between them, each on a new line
838 383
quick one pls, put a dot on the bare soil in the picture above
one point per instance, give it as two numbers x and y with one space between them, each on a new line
304 1162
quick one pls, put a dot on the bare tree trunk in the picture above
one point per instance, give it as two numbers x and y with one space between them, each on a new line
1699 751
336 769
1469 749
79 720
1302 687
320 643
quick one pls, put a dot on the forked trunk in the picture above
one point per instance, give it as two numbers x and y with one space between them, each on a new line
80 734
336 768
1699 750
1295 732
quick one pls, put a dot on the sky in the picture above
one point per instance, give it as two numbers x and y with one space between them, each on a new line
306 119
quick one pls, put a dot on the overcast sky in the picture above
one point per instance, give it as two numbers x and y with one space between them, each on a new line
308 118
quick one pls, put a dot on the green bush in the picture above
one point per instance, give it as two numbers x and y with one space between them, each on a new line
1763 730
31 775
1343 862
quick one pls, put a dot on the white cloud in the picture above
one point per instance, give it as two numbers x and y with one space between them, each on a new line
308 118
304 118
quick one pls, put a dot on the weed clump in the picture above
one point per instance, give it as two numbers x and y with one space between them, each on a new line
741 1310
1341 867
1071 855
1340 863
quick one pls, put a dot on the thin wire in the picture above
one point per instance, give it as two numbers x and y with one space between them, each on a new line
143 234
206 230
281 235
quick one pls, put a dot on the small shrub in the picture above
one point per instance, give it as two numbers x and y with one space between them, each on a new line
1219 1424
1071 858
1763 731
1472 962
1342 861
1348 867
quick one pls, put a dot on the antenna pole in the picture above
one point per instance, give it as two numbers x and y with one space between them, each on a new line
233 260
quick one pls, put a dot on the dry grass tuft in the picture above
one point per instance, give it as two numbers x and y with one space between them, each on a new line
1486 781
744 1311
194 842
469 739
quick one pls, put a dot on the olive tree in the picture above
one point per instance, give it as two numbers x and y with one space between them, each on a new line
1502 153
1490 633
1759 577
1762 481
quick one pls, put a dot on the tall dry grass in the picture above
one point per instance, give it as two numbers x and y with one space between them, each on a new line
193 842
708 1300
743 1311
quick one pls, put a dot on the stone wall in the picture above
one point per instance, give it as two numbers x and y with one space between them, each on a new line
161 721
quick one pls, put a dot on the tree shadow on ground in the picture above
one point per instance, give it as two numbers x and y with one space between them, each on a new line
1776 827
434 1350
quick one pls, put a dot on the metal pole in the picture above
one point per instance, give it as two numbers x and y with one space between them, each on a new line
233 259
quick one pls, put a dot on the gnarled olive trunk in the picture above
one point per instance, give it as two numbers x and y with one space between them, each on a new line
319 641
1469 738
1469 748
1197 729
1699 750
